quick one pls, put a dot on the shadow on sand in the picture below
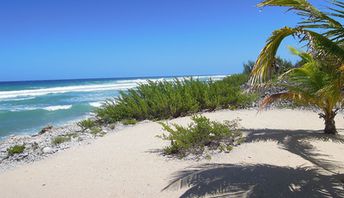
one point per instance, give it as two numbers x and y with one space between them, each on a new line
299 142
228 180
262 180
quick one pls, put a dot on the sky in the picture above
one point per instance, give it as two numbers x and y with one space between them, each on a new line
73 39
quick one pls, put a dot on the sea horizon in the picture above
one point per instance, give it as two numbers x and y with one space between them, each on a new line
110 78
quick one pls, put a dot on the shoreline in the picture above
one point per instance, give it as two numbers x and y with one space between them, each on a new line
39 146
34 132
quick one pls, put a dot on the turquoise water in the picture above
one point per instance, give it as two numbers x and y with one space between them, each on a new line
26 107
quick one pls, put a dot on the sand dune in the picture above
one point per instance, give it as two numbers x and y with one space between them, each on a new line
284 155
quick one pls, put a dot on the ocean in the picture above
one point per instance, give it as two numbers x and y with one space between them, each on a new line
28 106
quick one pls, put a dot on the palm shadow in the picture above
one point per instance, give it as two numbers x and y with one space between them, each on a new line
229 180
299 142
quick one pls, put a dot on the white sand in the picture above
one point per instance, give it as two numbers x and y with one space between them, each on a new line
128 163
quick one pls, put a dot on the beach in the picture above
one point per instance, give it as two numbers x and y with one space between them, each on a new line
285 154
155 99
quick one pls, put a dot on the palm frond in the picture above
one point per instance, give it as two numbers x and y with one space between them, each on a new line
263 67
341 68
312 17
323 46
337 12
306 57
310 84
317 42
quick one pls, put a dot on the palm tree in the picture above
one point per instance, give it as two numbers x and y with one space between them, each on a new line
329 43
312 84
318 81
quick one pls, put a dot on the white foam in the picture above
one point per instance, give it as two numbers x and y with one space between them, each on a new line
22 109
19 99
96 104
134 81
55 90
116 85
57 107
49 108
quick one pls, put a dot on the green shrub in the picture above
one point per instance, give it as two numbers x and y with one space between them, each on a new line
199 134
92 126
72 135
165 99
60 139
16 149
96 131
129 122
87 124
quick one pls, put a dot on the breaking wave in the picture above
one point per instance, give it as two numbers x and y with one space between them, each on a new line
115 85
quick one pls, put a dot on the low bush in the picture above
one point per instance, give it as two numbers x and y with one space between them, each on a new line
129 122
87 124
97 131
198 135
60 139
16 149
91 126
72 135
165 99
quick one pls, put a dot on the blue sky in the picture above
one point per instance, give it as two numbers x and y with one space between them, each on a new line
91 39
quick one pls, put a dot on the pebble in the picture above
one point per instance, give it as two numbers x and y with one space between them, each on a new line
47 150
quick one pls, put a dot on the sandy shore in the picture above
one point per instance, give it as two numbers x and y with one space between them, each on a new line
285 155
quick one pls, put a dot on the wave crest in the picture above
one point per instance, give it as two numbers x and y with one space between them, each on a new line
56 90
96 104
57 107
48 108
116 85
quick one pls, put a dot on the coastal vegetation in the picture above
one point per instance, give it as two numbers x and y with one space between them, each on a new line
318 81
200 134
60 139
171 99
129 122
16 149
87 124
91 126
96 130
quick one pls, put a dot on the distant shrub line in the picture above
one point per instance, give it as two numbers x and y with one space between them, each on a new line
166 99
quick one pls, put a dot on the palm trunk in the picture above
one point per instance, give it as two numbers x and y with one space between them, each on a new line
330 124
